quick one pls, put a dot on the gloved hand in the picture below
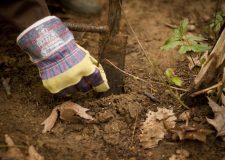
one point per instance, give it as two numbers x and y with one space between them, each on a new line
64 66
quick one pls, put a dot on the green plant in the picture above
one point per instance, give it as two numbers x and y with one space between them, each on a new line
218 21
172 78
185 41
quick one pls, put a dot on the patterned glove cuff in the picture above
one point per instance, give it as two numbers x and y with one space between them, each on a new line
44 38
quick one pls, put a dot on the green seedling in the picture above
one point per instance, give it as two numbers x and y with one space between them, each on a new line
172 78
184 41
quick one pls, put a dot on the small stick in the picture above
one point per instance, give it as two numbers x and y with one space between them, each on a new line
206 89
170 25
138 78
179 89
12 146
128 74
150 96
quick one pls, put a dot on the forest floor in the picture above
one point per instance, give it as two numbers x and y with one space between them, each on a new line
115 134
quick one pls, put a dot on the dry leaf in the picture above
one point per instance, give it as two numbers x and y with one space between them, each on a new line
13 151
181 154
196 61
186 132
33 154
193 62
67 111
155 127
185 116
50 121
219 121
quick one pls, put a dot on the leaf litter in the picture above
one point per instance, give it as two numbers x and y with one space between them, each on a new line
156 126
14 152
185 132
162 122
65 111
219 116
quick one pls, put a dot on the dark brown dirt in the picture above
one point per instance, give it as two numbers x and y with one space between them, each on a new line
114 134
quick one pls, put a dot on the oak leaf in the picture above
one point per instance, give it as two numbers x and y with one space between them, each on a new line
219 120
155 127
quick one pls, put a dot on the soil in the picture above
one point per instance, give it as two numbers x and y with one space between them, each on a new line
114 134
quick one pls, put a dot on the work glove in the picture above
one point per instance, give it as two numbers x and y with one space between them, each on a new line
64 66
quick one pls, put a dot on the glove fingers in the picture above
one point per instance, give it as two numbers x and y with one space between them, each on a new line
83 85
68 91
95 78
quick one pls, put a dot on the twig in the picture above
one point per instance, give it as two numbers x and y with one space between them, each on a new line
206 89
176 88
151 97
170 25
128 74
157 70
140 79
14 146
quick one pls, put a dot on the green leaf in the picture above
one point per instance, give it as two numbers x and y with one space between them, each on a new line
191 37
198 48
169 73
183 27
177 81
170 44
184 49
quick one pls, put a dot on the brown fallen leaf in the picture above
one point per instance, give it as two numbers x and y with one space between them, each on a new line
50 121
14 152
181 154
155 127
219 120
186 132
193 62
33 154
185 116
67 111
197 61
